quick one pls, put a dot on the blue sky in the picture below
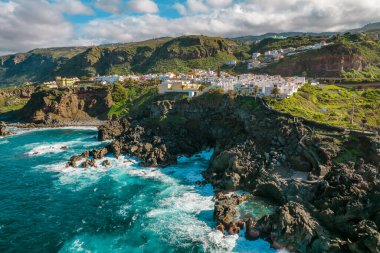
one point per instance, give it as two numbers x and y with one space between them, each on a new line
165 8
29 24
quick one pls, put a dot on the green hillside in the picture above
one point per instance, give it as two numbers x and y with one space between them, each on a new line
333 105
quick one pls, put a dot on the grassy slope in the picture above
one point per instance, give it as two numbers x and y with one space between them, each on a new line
310 100
11 103
130 99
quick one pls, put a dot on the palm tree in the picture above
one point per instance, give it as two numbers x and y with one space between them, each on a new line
255 91
276 91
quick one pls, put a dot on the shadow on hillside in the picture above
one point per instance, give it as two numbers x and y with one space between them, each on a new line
12 116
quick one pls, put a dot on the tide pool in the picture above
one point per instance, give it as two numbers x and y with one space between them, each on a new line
46 207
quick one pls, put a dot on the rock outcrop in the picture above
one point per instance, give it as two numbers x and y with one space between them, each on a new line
225 212
4 129
54 106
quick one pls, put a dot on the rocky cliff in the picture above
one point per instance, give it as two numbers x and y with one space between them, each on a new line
49 106
327 62
329 201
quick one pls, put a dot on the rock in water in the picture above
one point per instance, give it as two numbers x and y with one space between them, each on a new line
3 129
106 163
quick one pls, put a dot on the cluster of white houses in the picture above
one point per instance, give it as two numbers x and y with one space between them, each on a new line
199 81
261 85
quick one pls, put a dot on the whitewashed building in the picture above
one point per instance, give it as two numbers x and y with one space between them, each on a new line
265 84
256 55
109 79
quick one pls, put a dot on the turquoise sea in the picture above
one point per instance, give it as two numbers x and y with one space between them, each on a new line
45 207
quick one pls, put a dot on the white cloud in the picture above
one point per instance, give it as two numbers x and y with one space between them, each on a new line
243 18
197 6
111 6
143 6
180 8
26 24
219 3
74 7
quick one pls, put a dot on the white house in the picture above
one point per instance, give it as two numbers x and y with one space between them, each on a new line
272 53
109 79
266 84
255 55
179 86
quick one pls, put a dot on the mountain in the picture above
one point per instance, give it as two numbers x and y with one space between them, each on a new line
284 34
367 28
158 55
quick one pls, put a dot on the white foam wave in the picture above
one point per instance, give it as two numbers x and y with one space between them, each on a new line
2 141
184 213
76 178
20 131
38 149
48 149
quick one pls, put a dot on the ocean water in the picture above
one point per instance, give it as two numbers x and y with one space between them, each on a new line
45 207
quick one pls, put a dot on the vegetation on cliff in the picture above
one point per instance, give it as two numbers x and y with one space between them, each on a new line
334 105
14 98
12 103
372 74
129 99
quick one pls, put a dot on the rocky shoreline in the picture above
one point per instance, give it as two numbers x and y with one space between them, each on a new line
89 123
324 180
4 130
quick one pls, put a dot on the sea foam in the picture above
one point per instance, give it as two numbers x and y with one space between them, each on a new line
184 211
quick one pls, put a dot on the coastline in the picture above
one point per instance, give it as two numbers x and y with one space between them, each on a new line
71 124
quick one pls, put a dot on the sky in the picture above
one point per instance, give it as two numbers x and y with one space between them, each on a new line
29 24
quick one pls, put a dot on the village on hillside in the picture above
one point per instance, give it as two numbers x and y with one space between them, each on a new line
196 82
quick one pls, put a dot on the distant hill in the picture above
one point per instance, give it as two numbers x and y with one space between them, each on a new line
367 28
285 34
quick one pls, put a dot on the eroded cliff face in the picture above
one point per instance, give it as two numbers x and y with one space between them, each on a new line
324 66
328 62
325 205
68 105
